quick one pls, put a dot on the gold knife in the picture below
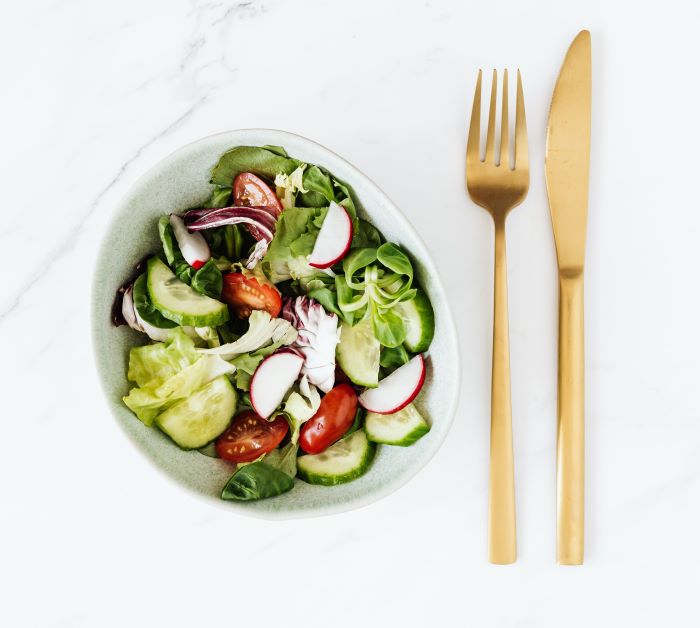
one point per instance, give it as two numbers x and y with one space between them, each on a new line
566 169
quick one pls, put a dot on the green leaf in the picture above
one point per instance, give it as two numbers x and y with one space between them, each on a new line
233 237
161 359
294 240
278 150
366 236
392 358
176 261
327 298
315 180
145 308
226 241
227 333
358 421
345 198
346 301
264 335
395 259
388 327
208 280
219 197
261 161
357 259
149 400
284 459
257 480
246 363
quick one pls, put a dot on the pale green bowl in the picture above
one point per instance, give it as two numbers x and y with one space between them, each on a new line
179 182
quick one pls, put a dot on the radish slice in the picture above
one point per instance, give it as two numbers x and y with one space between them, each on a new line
272 379
396 391
193 246
334 238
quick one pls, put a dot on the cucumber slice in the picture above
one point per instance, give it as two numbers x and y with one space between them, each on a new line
180 303
402 428
145 309
358 353
201 417
347 460
420 322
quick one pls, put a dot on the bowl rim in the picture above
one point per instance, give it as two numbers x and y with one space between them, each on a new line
391 485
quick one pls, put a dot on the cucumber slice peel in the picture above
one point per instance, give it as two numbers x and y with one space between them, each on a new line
342 462
145 308
180 303
201 417
358 353
419 320
403 428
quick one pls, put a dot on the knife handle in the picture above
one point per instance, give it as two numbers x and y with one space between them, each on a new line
570 421
501 484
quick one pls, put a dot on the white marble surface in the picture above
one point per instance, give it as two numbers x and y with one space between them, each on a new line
97 92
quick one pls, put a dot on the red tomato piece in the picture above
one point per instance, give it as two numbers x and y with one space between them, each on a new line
250 436
334 417
249 190
245 294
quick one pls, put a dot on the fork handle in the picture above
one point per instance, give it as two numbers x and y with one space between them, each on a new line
501 483
570 422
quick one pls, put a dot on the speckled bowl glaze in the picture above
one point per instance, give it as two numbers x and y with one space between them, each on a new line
181 181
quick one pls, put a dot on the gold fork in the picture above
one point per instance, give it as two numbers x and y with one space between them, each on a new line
497 187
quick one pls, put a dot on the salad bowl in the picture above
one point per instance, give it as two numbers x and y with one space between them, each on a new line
181 181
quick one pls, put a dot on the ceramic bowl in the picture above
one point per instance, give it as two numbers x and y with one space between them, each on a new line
181 181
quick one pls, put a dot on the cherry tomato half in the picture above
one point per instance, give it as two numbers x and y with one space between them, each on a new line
250 436
334 417
245 294
250 190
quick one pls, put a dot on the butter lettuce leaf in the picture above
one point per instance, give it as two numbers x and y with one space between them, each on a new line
265 162
263 331
163 359
297 230
149 400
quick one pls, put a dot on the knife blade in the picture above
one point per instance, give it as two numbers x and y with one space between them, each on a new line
567 153
567 157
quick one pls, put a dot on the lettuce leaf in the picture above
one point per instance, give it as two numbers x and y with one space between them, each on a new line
149 400
219 197
162 359
301 404
284 459
297 230
263 331
265 162
287 186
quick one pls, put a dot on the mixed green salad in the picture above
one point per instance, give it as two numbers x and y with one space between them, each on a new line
286 335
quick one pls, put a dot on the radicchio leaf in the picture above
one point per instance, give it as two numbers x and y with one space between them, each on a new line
259 221
317 339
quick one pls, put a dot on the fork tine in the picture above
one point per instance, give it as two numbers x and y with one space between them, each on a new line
504 158
492 121
521 156
474 124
